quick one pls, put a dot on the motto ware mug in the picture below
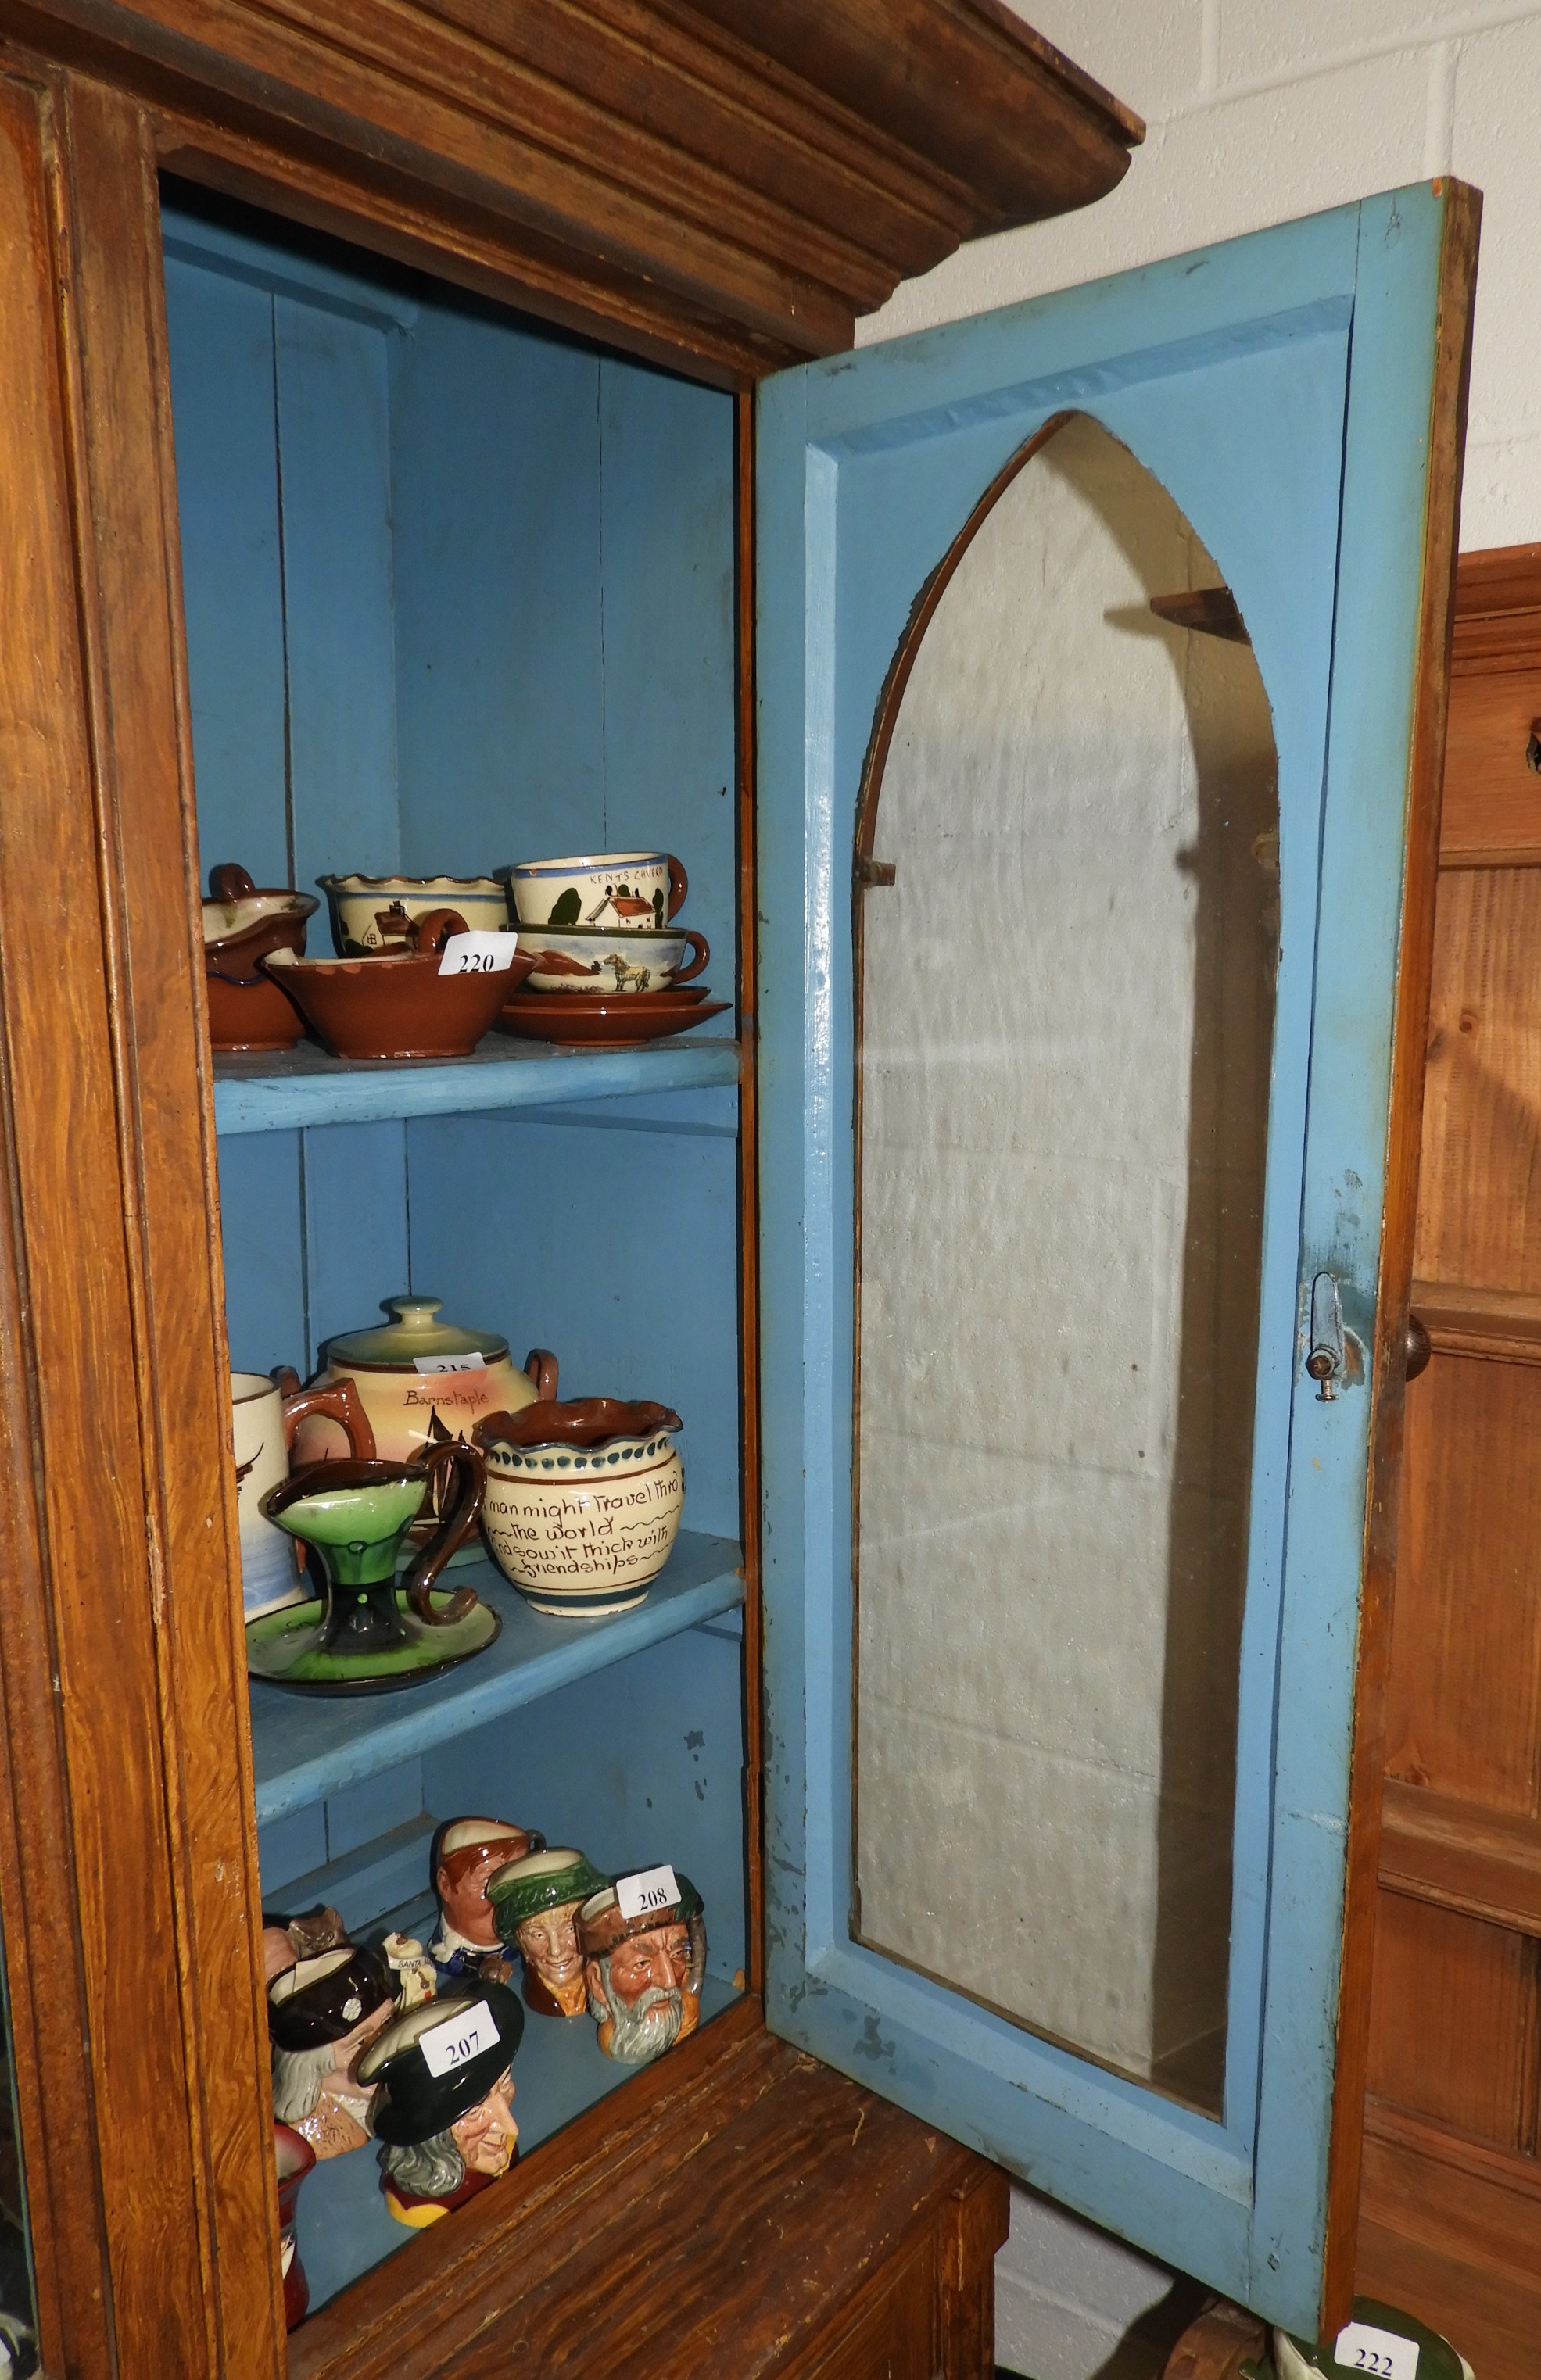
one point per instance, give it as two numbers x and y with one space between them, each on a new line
268 1411
582 1500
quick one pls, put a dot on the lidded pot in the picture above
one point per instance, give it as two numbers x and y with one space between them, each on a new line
422 1382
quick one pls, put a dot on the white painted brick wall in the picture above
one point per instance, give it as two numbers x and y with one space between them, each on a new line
1259 110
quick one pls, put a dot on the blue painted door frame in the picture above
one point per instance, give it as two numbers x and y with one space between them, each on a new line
1280 388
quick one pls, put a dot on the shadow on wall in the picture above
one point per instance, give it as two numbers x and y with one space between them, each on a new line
1143 2351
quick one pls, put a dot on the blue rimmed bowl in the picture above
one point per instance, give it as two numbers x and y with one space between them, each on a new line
582 1500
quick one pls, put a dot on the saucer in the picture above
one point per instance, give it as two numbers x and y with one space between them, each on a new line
283 1649
668 995
581 1021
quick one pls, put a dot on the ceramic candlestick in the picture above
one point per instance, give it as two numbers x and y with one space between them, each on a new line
365 1634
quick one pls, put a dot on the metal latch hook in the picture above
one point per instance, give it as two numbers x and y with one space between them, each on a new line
1325 1361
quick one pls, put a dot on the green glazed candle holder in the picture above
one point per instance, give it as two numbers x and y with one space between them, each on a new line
363 1634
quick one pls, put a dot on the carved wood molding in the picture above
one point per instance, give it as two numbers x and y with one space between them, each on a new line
1458 1856
737 182
1504 1325
1498 609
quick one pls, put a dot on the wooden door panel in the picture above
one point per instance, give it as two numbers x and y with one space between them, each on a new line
1452 2012
1492 792
1454 2230
871 484
1450 2210
1463 1699
1479 1206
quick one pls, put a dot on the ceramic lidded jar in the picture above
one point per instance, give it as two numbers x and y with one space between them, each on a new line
422 1383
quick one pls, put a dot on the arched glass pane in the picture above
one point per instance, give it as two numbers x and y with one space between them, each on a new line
1067 1029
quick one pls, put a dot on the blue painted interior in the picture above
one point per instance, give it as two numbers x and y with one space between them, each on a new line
308 1751
460 592
1279 386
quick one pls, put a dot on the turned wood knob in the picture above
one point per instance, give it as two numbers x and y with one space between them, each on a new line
1420 1347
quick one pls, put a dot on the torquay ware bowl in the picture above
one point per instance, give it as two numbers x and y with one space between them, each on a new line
582 1500
371 912
394 1008
626 892
243 924
422 1382
600 962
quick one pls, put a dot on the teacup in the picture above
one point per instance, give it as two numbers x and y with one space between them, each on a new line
268 1409
625 892
593 958
370 913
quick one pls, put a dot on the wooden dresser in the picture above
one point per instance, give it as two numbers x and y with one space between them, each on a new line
1451 2214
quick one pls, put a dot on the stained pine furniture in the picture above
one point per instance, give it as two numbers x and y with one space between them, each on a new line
381 461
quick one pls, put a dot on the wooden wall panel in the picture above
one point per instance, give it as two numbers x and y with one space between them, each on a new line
1463 1700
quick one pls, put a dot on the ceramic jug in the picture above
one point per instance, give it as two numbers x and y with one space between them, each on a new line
268 1410
423 1382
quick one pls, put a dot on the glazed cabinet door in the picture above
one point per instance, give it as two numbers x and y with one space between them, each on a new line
1100 655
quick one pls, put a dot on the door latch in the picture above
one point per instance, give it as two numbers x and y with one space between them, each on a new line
1327 1360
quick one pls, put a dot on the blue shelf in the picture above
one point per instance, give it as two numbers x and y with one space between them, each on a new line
305 1746
301 1087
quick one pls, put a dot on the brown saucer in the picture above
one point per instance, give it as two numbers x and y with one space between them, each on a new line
673 995
581 1021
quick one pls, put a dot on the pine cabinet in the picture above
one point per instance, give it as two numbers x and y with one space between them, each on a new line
415 455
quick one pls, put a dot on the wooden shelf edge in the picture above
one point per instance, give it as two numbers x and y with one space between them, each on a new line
1479 1862
1501 1324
